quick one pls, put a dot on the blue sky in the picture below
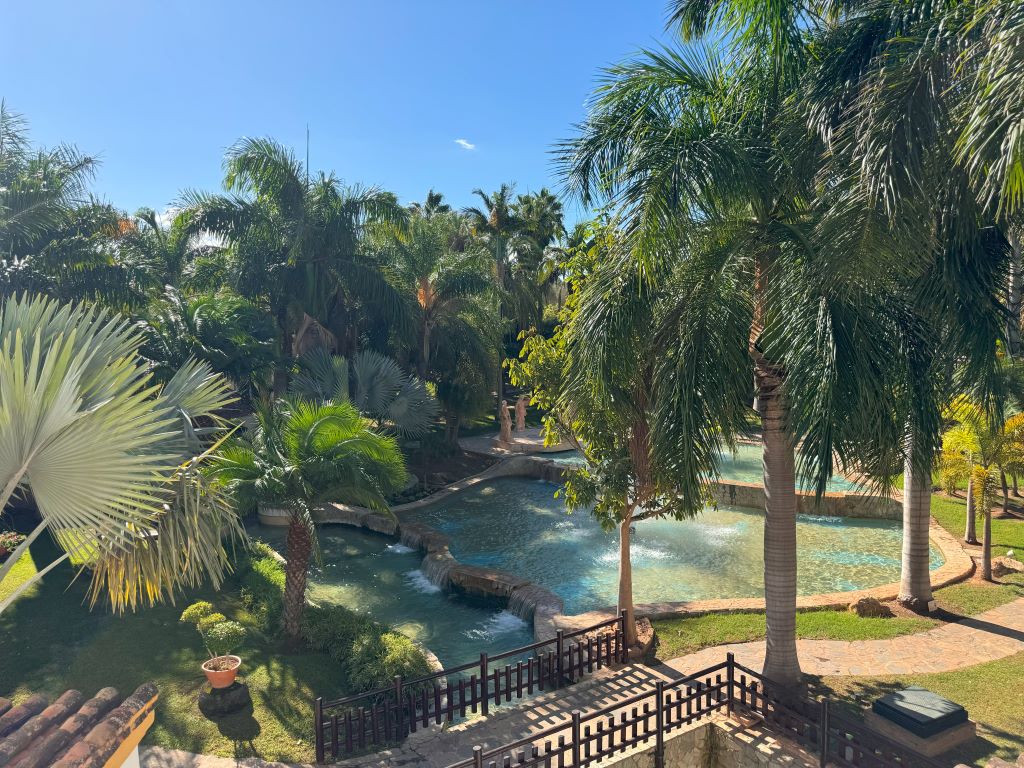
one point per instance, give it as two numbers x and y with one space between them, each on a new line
159 90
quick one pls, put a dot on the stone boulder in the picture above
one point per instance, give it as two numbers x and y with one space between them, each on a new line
870 608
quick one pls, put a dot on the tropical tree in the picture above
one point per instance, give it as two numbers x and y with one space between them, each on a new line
301 454
605 410
108 460
229 332
294 246
985 447
498 228
429 263
374 383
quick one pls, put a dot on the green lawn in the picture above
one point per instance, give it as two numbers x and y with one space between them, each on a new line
1007 532
52 642
22 570
682 635
990 692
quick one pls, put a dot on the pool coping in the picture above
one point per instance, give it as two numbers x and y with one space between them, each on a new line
547 608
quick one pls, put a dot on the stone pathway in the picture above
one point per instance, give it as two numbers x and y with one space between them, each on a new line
989 636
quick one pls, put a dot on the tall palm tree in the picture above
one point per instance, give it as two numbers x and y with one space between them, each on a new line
433 204
499 229
107 459
302 454
715 184
295 245
428 263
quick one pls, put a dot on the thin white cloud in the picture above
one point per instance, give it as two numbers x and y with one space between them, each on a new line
465 144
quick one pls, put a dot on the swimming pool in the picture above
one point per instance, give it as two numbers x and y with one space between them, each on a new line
517 525
743 466
373 574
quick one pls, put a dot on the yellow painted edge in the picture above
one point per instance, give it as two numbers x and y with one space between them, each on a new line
119 757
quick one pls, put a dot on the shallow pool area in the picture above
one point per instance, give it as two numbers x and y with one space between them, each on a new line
743 465
517 525
371 573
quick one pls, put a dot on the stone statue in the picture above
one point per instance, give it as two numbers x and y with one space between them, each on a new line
521 414
505 436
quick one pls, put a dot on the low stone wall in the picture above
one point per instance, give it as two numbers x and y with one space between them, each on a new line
718 744
735 493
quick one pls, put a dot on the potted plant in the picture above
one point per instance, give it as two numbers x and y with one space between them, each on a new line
220 636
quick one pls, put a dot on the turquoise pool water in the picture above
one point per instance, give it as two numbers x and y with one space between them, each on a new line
743 466
516 525
371 573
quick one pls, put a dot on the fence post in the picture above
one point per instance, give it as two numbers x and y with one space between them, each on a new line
823 730
318 731
575 737
730 676
483 683
623 648
559 650
400 711
478 757
659 719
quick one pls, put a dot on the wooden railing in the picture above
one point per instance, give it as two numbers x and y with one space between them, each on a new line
387 715
652 714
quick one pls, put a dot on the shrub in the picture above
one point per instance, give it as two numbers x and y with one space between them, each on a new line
377 657
209 620
222 637
196 612
263 587
371 654
9 541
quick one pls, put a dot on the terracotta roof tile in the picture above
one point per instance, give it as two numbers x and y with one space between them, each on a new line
71 732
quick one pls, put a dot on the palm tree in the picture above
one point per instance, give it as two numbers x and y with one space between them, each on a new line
295 246
432 206
374 383
299 455
499 229
429 263
229 332
107 459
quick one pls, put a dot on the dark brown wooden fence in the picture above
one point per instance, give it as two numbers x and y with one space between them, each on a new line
387 715
667 706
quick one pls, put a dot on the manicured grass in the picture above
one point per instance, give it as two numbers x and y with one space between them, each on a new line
1007 532
52 642
24 569
990 692
679 636
970 597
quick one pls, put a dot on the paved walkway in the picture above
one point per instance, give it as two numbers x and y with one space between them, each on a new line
989 636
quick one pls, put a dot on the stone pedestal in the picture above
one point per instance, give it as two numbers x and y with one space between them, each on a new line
218 702
931 746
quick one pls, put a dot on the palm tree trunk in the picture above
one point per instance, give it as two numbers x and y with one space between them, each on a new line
421 368
300 548
986 547
626 577
1013 296
1013 477
971 531
280 384
781 663
1006 493
915 574
451 428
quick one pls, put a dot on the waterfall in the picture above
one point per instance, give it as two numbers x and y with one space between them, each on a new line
410 537
525 599
438 567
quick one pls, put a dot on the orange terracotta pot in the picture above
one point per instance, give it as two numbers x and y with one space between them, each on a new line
222 670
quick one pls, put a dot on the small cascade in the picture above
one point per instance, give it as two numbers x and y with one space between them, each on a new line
411 537
524 600
438 567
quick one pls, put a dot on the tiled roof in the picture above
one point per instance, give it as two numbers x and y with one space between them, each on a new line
72 732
